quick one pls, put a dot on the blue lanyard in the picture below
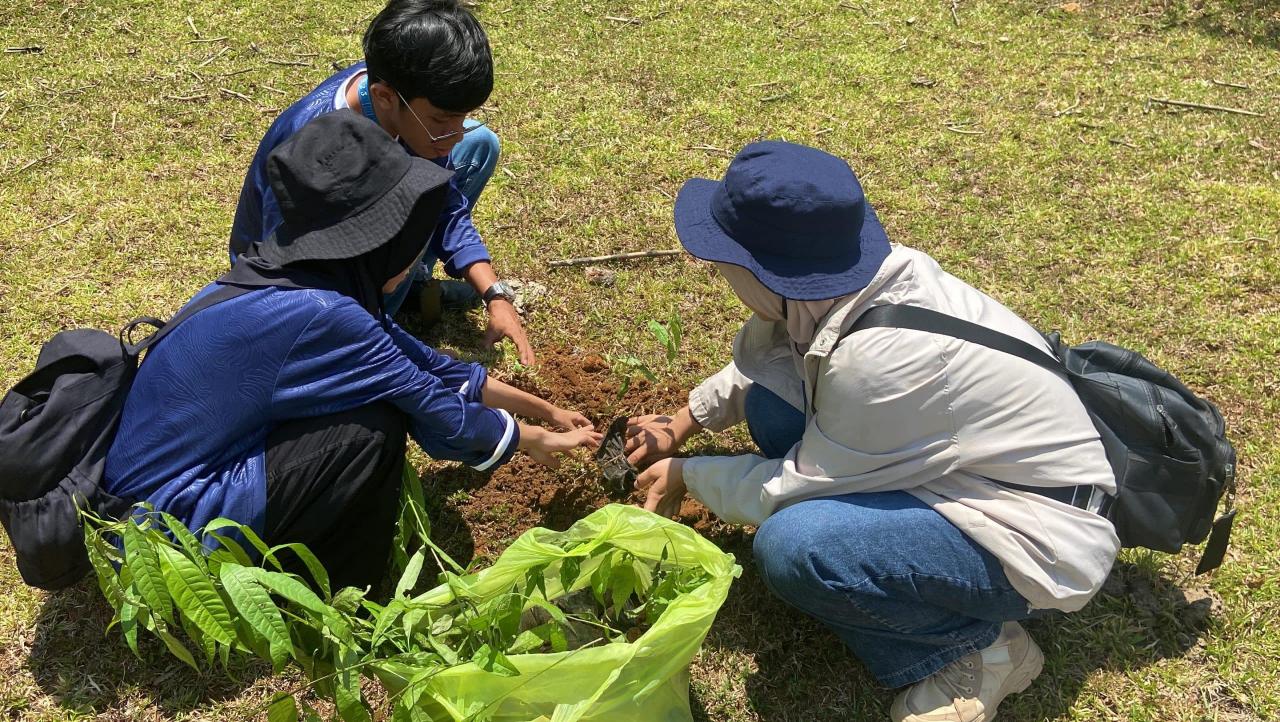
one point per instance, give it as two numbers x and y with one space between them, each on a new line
366 103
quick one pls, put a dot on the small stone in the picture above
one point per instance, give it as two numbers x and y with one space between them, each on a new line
1070 7
598 276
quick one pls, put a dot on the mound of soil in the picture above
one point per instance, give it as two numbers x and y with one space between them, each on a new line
478 514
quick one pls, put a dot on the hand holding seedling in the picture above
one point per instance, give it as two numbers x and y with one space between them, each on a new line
665 482
655 437
544 445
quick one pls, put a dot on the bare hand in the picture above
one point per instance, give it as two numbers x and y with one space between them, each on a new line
665 482
544 445
504 322
567 420
651 438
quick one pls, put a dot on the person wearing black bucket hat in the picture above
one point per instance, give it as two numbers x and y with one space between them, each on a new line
285 405
426 73
917 493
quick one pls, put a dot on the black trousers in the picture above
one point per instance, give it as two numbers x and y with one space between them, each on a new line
333 483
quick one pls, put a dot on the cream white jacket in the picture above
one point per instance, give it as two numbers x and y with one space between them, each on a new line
896 409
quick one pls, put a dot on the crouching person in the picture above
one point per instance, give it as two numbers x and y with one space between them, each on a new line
916 493
287 407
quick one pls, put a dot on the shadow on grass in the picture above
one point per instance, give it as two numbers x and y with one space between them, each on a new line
803 672
1253 21
87 669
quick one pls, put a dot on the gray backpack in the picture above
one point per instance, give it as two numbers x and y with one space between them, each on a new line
1167 446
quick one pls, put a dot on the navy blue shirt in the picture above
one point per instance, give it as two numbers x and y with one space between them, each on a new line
455 241
192 436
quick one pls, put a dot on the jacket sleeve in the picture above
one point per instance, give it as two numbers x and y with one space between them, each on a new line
719 402
455 240
344 359
467 379
883 422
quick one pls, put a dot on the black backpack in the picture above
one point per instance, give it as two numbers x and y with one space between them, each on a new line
1167 446
56 426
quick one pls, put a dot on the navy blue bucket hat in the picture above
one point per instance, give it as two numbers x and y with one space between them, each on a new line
792 215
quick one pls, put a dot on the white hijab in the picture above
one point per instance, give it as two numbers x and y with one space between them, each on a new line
802 317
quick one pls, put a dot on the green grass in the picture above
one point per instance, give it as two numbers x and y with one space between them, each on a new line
1080 205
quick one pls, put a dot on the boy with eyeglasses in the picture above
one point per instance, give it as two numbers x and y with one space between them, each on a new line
427 67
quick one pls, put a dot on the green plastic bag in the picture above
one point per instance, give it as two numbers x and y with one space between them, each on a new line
642 681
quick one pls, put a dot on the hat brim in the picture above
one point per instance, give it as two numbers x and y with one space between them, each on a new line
789 277
368 229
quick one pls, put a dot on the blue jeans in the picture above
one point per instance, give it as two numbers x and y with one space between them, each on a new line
906 590
474 159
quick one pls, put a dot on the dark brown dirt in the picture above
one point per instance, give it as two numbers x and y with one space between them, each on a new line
478 515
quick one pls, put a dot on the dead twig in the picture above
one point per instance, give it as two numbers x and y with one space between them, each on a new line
32 49
234 94
962 129
954 16
197 96
241 71
1121 141
214 57
612 257
710 149
218 39
1069 109
192 24
623 20
293 63
1204 106
1225 84
765 84
55 224
1255 143
33 162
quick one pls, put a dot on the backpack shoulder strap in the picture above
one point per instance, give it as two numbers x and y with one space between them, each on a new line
218 295
924 319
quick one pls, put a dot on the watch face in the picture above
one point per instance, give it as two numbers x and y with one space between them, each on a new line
501 289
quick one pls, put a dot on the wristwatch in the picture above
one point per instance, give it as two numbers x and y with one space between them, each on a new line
500 289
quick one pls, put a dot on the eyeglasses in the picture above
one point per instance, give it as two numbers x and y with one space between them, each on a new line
480 123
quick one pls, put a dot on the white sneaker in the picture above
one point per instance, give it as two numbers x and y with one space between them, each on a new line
970 688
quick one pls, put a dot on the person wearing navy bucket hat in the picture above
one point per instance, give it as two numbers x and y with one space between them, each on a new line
917 493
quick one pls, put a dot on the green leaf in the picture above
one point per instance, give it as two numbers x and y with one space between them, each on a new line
129 626
526 641
289 588
176 648
384 621
441 625
621 585
230 547
570 570
446 652
195 595
491 660
347 600
195 550
347 694
256 607
313 564
660 332
676 327
140 553
108 578
283 709
411 571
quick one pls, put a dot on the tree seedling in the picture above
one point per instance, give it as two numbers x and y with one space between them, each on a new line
619 474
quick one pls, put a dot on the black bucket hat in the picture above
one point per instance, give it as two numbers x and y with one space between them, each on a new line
345 187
